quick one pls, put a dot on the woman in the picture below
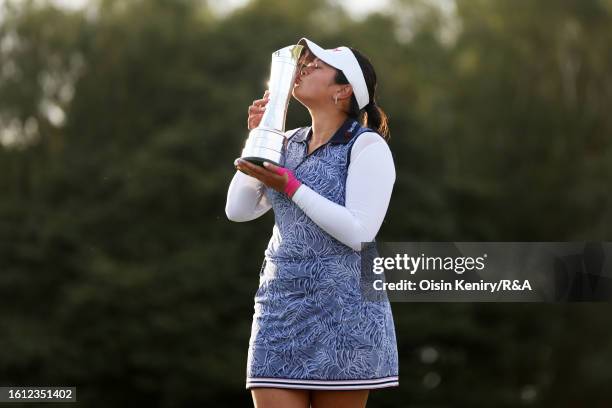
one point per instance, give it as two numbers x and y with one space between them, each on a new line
314 340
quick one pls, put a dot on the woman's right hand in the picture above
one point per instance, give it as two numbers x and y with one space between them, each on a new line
256 111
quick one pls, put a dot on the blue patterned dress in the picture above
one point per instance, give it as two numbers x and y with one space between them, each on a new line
311 329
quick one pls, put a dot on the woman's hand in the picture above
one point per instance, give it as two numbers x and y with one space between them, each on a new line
279 178
256 111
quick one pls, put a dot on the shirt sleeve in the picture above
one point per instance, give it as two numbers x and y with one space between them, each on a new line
369 183
246 200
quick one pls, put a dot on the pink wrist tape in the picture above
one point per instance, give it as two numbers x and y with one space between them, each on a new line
292 184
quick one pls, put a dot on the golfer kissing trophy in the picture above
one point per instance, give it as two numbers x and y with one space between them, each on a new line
266 142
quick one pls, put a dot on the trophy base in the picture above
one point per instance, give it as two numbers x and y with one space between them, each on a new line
259 161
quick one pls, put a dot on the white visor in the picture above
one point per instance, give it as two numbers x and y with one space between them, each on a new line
342 58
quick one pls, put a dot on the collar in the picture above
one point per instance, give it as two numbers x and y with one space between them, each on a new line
343 135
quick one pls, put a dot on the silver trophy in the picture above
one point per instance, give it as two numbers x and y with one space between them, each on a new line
266 142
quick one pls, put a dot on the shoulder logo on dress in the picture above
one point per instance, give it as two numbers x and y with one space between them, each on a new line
349 133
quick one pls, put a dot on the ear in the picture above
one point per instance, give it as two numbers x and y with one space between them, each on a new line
345 92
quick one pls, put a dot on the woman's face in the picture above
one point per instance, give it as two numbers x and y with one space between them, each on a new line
314 84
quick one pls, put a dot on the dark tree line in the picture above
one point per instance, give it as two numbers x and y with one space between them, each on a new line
119 123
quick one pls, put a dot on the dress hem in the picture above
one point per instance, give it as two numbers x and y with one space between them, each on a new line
372 383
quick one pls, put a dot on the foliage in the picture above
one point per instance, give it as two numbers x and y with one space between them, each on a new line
119 123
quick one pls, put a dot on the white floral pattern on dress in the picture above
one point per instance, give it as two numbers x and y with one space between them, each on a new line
311 329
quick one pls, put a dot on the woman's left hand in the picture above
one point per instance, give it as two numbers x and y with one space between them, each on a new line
269 175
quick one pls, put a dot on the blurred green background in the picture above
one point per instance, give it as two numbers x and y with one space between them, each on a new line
119 122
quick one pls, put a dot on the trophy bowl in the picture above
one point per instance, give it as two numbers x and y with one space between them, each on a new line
267 141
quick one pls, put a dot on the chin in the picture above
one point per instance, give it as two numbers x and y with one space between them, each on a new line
296 93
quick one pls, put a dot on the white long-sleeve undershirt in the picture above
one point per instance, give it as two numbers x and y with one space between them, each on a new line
369 183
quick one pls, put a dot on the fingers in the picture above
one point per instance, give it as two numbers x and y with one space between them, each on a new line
265 174
241 166
253 169
272 167
254 120
256 110
259 104
263 101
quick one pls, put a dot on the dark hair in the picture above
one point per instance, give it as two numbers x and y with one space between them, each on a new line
371 115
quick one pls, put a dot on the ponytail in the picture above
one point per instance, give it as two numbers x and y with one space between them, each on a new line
376 119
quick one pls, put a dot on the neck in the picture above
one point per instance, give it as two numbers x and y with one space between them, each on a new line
325 123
